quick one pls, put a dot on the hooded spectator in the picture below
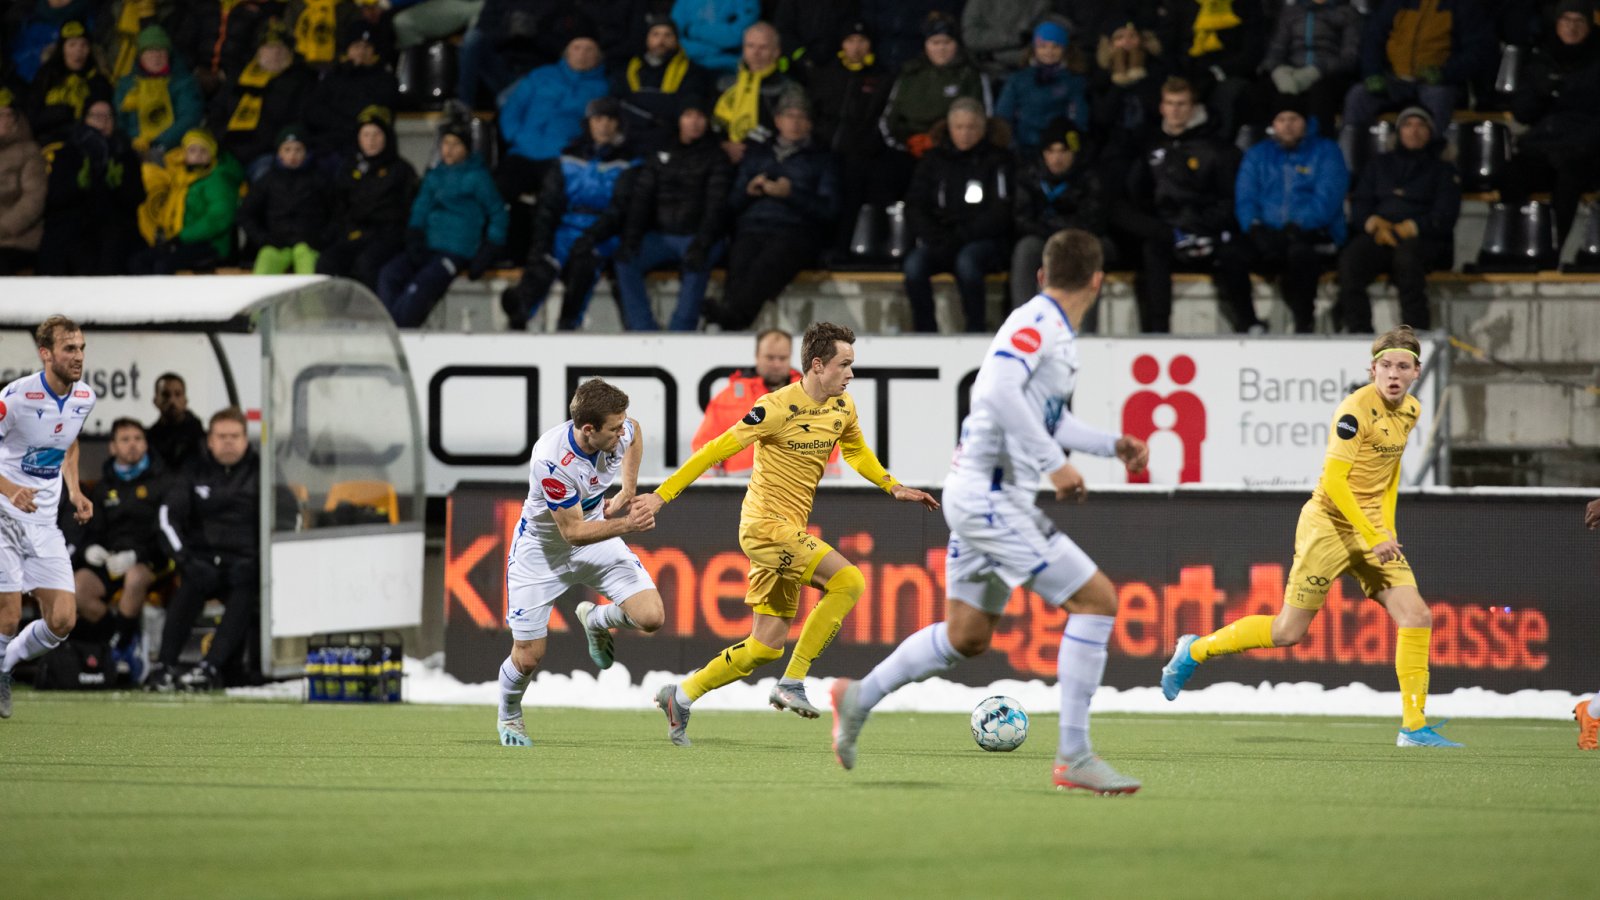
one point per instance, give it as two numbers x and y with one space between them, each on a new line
191 203
371 199
286 211
91 217
22 188
159 101
67 83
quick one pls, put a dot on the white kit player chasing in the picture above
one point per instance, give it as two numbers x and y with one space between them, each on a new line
999 539
569 535
40 417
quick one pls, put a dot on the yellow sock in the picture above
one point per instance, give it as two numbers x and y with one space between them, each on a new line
1248 633
839 597
1411 666
729 666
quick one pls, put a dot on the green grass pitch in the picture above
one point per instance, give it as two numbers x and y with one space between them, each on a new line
197 797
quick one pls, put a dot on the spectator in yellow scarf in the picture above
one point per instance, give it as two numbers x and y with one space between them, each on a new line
158 101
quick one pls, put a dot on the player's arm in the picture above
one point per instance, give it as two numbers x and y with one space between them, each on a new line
578 531
1000 391
744 432
853 447
83 510
1073 433
1336 484
629 486
1391 500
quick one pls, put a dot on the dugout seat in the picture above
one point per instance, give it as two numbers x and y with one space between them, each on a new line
379 495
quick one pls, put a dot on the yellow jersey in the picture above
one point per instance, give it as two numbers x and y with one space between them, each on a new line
794 436
1371 437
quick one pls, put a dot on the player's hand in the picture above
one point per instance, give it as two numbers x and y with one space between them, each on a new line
641 518
1068 482
619 504
1388 551
1591 515
22 499
1134 453
650 503
82 508
912 495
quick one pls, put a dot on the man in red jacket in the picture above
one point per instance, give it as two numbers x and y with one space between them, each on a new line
774 349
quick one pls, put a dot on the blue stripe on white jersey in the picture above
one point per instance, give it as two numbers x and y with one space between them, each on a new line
561 475
37 428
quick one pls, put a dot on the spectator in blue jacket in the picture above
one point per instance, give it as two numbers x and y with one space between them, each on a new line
41 28
1289 201
712 31
1043 92
541 115
458 223
785 198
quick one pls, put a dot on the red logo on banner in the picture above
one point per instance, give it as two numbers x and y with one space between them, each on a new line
553 489
1139 412
1027 340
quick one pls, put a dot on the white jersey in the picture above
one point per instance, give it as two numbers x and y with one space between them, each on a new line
37 427
1036 344
561 475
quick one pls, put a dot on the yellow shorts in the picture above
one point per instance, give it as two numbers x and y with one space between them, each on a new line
1324 549
782 558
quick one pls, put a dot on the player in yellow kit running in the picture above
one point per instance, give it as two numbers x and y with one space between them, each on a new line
794 429
1348 526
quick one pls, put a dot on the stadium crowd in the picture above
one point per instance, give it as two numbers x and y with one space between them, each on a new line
1217 136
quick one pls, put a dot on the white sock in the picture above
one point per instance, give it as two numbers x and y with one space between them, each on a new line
682 698
1594 706
35 641
513 684
610 615
5 640
1080 665
920 656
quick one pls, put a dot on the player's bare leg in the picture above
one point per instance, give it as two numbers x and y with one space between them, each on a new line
842 585
640 612
58 615
1415 623
1080 667
10 618
515 675
1285 629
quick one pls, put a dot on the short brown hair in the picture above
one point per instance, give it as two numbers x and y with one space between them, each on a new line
125 422
595 401
1401 338
820 342
45 335
1071 257
228 414
760 338
1176 85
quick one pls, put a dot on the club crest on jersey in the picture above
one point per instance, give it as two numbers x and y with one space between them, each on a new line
553 489
755 416
568 457
1027 340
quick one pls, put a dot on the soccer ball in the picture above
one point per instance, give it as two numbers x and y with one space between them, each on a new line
999 724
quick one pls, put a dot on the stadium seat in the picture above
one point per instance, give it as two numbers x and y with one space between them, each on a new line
1518 239
1481 155
379 495
1588 256
426 75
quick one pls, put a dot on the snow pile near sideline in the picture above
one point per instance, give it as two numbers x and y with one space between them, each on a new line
427 682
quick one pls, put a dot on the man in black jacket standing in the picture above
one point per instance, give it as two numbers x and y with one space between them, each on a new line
210 525
177 436
674 213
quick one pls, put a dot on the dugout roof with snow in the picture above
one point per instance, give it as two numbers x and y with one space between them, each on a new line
341 446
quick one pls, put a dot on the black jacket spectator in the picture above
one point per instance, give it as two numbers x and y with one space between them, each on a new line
1125 93
813 202
653 88
127 513
1047 203
95 188
285 207
218 38
848 103
61 94
811 30
177 442
258 103
681 192
371 202
1403 214
1221 64
344 91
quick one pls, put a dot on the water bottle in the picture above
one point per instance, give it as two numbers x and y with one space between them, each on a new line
371 659
391 672
314 674
350 673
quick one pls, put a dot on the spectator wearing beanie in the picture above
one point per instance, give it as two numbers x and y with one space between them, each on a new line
541 114
959 211
1289 201
1404 208
267 96
191 204
286 211
653 85
899 27
1422 52
1125 92
41 28
22 188
372 193
159 101
1043 92
749 96
712 32
674 214
67 83
1315 52
785 198
576 224
116 31
993 32
1057 189
1558 99
848 92
359 81
91 214
457 224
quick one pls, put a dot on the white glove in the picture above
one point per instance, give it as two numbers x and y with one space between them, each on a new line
1283 79
1305 77
118 564
95 555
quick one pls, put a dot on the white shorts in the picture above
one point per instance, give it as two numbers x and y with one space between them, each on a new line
33 555
998 543
533 583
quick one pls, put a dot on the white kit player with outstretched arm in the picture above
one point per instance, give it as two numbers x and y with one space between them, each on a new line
569 535
40 417
999 538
